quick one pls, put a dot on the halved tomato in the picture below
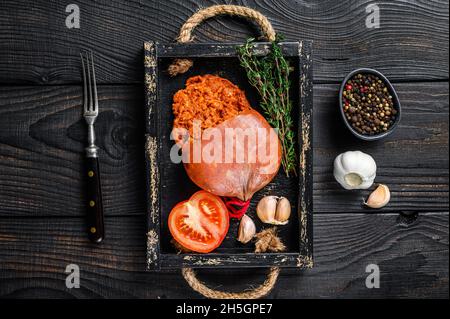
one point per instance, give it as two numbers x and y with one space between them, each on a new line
201 223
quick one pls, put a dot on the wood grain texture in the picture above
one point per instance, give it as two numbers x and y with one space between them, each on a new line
36 46
42 132
412 253
42 141
413 161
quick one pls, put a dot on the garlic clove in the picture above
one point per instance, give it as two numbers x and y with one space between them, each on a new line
266 209
379 197
247 229
283 211
274 210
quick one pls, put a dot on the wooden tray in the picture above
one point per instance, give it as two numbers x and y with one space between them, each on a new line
168 183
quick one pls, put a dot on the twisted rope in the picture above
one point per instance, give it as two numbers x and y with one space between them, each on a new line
183 65
267 240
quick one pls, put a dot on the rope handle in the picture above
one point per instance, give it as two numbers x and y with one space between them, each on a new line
204 14
180 66
267 240
259 292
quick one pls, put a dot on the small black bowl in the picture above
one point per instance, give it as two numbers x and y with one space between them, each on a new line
395 100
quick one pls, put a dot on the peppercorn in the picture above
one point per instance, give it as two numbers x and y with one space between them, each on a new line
368 104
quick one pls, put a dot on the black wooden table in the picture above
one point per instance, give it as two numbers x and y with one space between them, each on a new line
42 137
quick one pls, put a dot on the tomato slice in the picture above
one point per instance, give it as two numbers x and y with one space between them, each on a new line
201 223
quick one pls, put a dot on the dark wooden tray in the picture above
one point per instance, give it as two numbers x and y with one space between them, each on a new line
168 183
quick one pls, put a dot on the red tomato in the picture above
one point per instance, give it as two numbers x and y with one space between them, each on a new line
201 223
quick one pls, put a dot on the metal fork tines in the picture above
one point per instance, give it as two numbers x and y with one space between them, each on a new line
90 100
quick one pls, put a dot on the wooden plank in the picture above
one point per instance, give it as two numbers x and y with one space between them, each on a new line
413 161
42 141
306 150
226 260
42 136
37 47
152 157
221 50
412 253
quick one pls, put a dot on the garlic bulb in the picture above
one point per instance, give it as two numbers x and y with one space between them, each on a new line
379 197
355 170
274 210
247 229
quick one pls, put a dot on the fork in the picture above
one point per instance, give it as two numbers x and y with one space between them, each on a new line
96 231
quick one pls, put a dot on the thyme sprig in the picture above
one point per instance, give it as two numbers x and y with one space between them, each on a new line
269 74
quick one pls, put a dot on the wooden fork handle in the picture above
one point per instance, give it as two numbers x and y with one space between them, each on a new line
96 230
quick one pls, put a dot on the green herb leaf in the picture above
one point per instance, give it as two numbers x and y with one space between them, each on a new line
270 77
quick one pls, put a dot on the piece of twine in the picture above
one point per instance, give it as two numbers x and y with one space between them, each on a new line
267 240
180 66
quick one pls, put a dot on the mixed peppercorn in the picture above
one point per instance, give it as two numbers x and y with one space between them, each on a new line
368 104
